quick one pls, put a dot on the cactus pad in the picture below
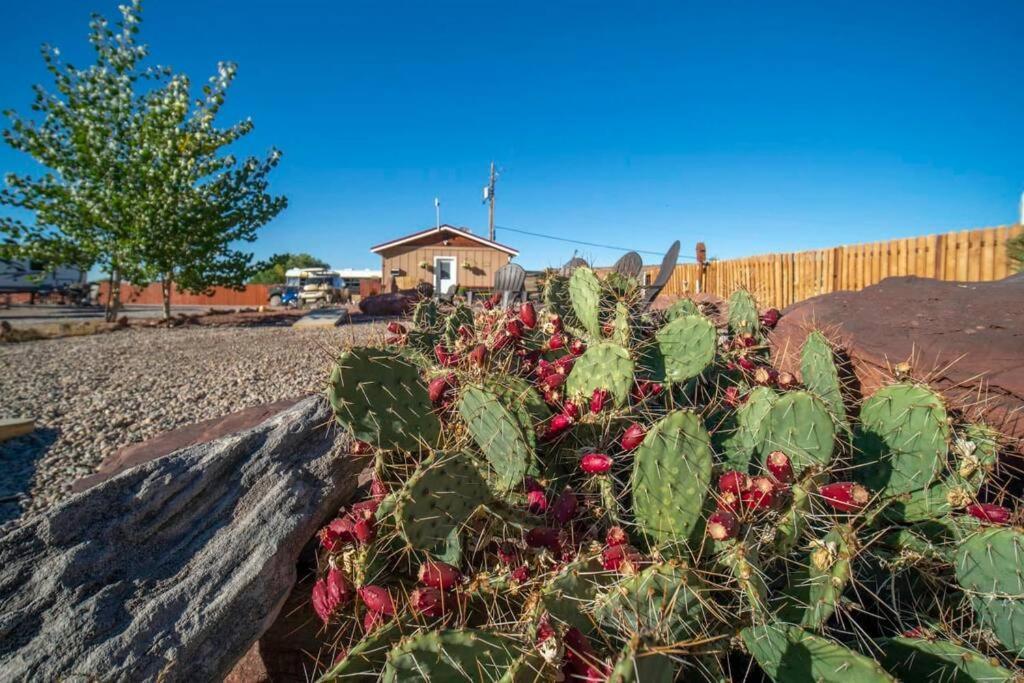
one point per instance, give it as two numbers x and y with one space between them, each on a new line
688 346
917 659
989 567
380 397
367 658
451 656
568 596
743 317
800 425
751 424
462 315
903 439
681 308
820 375
621 331
442 494
498 432
424 315
556 295
671 473
788 654
814 590
664 602
585 294
636 666
605 366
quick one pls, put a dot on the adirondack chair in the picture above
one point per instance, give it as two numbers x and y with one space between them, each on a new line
510 282
448 296
572 264
668 266
629 264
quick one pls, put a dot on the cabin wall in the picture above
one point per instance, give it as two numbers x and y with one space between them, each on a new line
406 258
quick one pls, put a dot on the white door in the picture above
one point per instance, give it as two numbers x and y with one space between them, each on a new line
444 273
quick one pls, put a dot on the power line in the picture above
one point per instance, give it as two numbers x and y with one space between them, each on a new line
586 244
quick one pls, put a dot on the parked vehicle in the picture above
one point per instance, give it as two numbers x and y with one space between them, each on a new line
311 287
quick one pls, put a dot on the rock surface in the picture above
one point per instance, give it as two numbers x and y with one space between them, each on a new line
399 303
172 569
965 339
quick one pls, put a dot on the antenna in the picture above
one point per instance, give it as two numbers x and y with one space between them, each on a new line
489 198
437 211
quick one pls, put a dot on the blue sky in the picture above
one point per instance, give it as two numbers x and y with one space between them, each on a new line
755 127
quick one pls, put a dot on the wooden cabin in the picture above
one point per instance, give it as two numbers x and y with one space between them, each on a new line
441 256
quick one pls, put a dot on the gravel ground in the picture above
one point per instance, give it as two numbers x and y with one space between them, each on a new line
93 395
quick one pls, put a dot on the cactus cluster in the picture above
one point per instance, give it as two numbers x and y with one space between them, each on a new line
589 490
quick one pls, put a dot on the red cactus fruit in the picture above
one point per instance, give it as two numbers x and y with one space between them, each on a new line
394 340
514 328
338 532
501 340
537 502
556 341
445 357
577 347
733 481
565 506
543 537
779 466
371 620
428 601
916 632
614 557
598 400
595 463
361 448
571 411
544 368
553 325
632 437
396 328
608 328
439 575
528 314
520 574
770 318
988 512
732 397
365 527
378 489
760 495
722 525
746 363
729 501
552 382
507 553
439 387
616 536
330 592
553 398
558 425
368 506
478 356
544 630
563 365
845 496
495 299
377 599
465 332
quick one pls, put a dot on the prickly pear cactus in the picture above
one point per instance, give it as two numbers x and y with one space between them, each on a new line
589 491
585 294
671 473
688 345
821 376
380 397
743 316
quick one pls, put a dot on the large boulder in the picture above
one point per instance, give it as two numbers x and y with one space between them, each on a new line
399 303
965 339
171 570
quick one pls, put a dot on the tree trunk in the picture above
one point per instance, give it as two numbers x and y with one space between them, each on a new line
166 286
113 295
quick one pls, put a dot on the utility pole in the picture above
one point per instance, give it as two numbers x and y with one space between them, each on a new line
489 198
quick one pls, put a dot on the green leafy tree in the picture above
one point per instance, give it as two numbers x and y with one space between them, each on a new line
273 270
136 180
87 136
199 202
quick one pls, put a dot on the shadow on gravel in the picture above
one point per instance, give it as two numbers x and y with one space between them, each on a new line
18 458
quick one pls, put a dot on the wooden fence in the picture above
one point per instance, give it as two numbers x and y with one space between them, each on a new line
782 279
251 295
